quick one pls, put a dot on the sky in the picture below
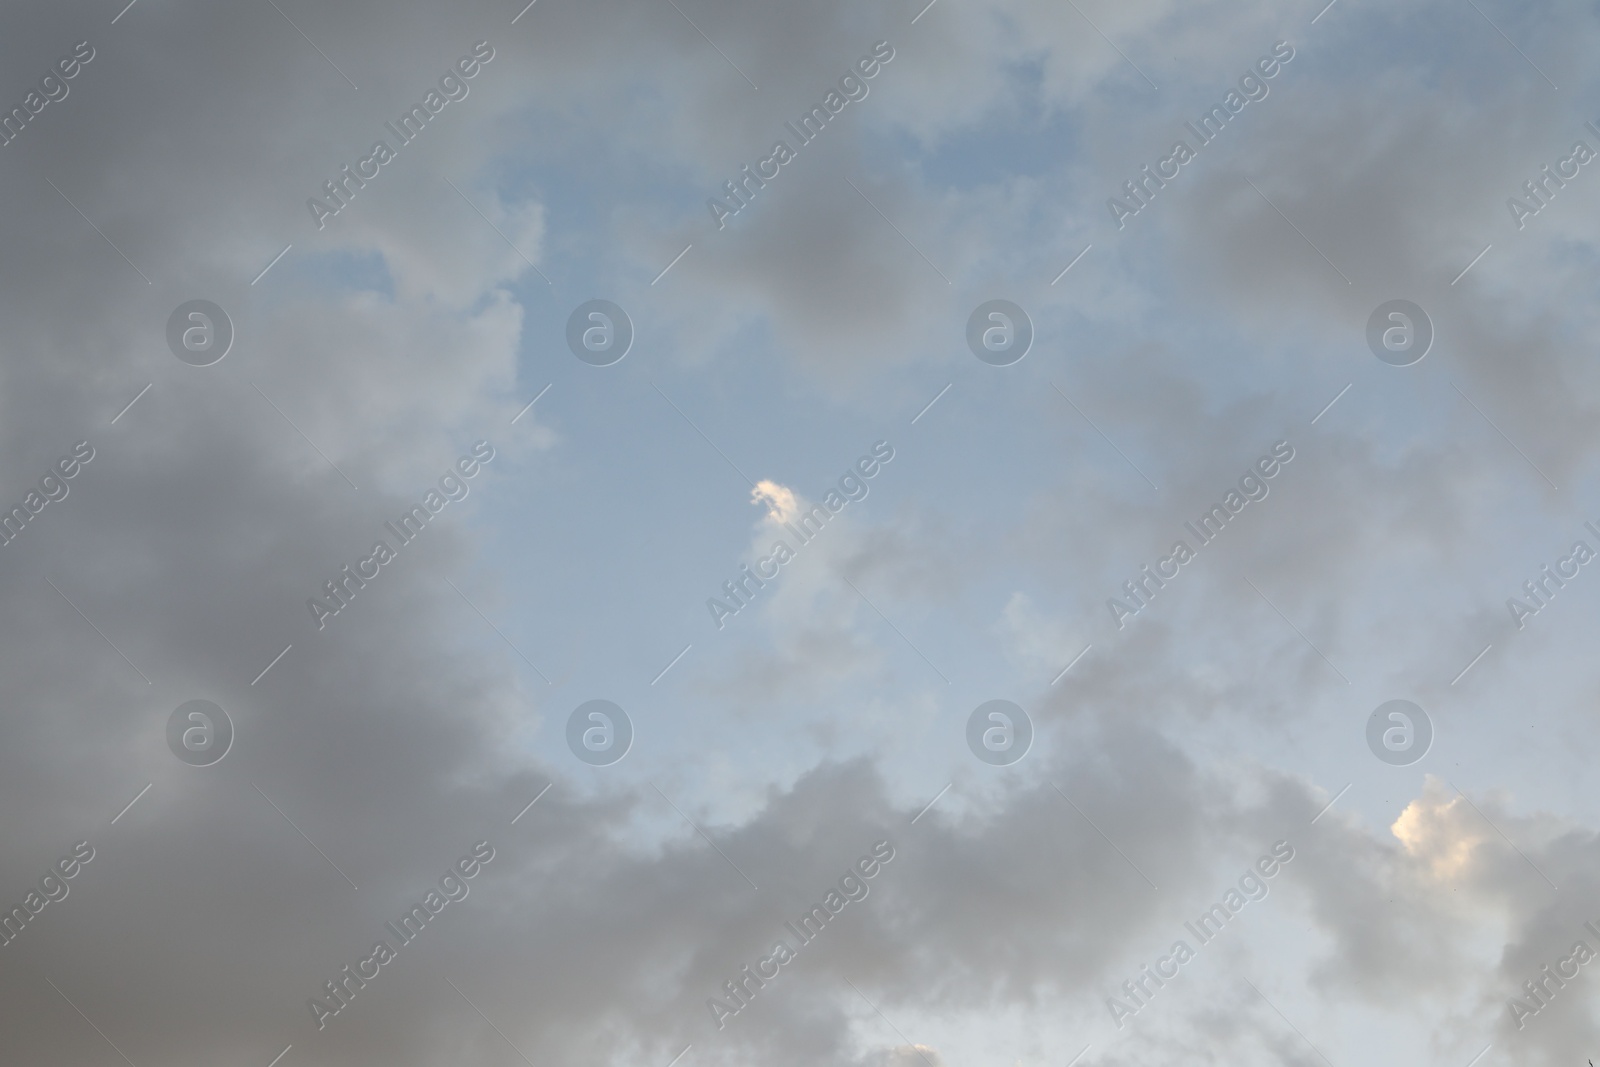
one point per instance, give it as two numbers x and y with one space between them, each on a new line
400 663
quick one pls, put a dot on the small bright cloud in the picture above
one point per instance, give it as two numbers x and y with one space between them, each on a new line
779 500
1435 828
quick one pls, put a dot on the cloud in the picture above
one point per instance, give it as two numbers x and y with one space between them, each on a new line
1434 828
429 311
779 501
